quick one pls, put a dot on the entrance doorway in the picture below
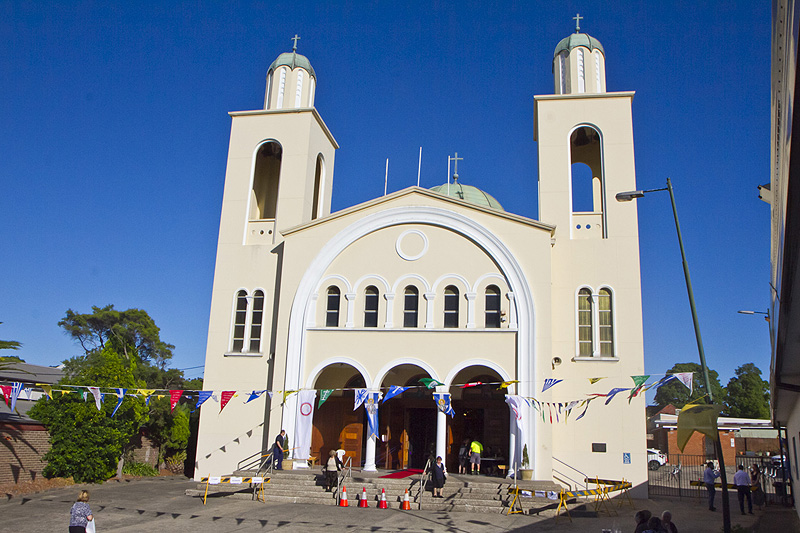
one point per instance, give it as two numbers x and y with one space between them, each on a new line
421 424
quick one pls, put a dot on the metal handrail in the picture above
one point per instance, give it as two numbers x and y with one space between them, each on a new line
265 469
585 485
347 473
565 479
254 459
423 480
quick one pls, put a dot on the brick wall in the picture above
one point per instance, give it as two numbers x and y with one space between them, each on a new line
697 445
145 451
21 450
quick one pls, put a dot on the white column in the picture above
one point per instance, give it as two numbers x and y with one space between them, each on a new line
369 458
429 297
512 444
441 434
389 310
350 297
470 309
512 310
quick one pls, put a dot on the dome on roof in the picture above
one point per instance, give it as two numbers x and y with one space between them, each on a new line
468 193
578 39
293 60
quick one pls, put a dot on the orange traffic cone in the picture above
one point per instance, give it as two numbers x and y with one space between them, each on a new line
362 502
382 503
405 505
343 499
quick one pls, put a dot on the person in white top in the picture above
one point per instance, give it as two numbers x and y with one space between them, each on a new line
742 481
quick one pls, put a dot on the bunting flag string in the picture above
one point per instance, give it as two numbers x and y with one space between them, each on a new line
506 384
550 382
286 394
254 395
324 394
201 398
225 397
6 393
430 383
174 396
120 396
97 396
595 380
394 390
686 379
360 397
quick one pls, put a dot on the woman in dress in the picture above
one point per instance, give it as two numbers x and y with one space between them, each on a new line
332 468
80 514
438 476
755 486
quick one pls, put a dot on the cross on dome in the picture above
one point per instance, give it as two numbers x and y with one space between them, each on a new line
295 39
577 18
455 169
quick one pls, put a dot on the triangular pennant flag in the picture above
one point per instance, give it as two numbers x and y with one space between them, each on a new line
595 380
639 381
586 409
614 392
174 396
430 382
202 396
6 393
255 394
472 384
550 411
663 381
550 382
506 384
394 390
146 393
249 433
97 396
48 389
694 417
686 379
286 394
361 396
16 389
225 397
324 394
120 396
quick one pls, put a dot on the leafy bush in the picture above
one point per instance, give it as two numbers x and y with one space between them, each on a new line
139 469
175 463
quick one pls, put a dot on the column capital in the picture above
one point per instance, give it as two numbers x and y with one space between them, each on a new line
429 296
349 296
470 295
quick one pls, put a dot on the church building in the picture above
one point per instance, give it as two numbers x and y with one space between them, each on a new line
435 284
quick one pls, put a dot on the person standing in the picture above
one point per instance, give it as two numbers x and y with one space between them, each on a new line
80 514
755 482
332 469
463 457
666 522
278 449
741 481
709 478
438 476
475 449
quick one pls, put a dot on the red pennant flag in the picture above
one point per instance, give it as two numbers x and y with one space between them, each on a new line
6 393
225 398
174 396
472 384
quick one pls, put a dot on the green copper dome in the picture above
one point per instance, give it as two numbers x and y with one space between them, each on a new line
578 39
293 60
468 193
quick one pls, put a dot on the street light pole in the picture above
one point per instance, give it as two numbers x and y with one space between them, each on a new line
627 196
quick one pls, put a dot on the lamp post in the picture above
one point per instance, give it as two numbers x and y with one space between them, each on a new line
627 197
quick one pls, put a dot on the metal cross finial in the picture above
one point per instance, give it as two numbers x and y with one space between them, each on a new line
456 159
295 39
577 18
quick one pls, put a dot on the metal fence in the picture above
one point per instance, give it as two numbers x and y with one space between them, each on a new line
675 477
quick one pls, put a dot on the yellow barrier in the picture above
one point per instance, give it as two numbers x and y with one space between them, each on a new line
600 494
235 480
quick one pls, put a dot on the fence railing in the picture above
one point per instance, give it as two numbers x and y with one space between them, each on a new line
674 478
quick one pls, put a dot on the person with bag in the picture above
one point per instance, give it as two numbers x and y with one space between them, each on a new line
755 484
438 476
332 469
81 519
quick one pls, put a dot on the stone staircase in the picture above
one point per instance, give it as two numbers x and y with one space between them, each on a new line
461 492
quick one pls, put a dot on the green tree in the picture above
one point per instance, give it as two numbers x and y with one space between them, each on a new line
747 395
677 394
132 333
87 443
10 345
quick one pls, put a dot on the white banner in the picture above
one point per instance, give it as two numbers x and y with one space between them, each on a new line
305 416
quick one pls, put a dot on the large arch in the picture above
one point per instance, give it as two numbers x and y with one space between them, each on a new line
435 216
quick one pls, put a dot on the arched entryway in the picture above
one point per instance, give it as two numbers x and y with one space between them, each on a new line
407 421
336 425
480 414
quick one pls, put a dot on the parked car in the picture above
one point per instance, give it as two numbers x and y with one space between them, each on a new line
656 459
778 460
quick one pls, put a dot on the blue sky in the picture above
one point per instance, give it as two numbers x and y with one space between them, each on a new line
115 137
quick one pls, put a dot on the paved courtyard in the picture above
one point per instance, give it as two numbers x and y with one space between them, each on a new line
159 504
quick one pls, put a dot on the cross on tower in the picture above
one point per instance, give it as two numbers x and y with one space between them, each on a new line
456 159
577 18
295 39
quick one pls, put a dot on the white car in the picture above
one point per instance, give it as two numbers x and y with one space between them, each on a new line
656 459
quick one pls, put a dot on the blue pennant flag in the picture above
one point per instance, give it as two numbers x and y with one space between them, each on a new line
361 397
255 394
202 396
614 392
442 400
550 382
16 388
394 390
120 396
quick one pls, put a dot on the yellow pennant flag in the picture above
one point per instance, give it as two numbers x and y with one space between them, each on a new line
48 389
145 392
287 393
505 384
697 417
595 380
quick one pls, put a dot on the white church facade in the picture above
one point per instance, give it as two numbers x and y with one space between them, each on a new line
441 284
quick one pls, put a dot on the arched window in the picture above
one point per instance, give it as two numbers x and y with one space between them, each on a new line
585 320
256 319
581 72
605 321
319 183
371 307
492 310
450 307
239 321
264 199
411 307
588 185
332 313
